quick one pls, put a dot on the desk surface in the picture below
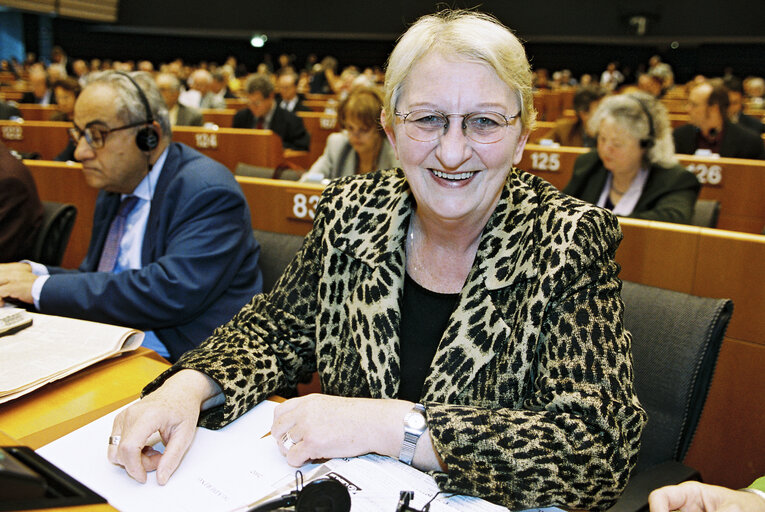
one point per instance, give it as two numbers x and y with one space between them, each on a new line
63 406
70 403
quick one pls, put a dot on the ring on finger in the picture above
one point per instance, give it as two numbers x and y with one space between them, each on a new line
287 441
114 440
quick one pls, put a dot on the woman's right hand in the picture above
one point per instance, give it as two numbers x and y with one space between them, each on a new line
173 412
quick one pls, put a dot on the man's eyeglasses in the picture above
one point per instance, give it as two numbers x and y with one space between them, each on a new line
483 127
95 135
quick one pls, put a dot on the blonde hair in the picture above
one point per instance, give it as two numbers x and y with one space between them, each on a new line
470 35
629 111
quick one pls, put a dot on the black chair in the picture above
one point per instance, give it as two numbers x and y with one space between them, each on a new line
676 339
705 213
254 171
276 251
58 220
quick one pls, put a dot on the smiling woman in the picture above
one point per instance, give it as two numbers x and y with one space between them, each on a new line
463 316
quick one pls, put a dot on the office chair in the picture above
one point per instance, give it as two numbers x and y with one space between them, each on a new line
705 213
276 251
676 339
58 220
254 171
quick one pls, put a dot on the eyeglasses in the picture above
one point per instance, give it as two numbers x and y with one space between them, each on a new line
484 127
359 131
95 136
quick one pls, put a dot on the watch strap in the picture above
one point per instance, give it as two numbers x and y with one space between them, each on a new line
411 436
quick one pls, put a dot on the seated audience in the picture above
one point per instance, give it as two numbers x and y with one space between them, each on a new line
199 94
710 128
39 82
633 172
180 115
651 83
66 92
698 497
429 299
573 132
755 91
172 250
736 107
263 113
21 212
611 78
362 145
219 85
287 95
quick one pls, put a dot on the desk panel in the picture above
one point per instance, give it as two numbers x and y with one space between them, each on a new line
230 146
48 138
63 406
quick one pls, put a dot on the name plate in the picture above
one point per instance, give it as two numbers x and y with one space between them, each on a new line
541 161
206 140
708 174
300 205
13 132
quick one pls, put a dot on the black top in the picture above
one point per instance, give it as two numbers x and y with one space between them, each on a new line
424 316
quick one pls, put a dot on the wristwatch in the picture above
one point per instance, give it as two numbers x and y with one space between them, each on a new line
414 426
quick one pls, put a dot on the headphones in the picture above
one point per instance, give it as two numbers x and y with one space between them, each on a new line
147 137
650 141
322 495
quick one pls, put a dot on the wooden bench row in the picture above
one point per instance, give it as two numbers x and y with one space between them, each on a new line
230 146
713 263
737 183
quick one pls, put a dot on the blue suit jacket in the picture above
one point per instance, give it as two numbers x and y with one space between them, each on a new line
200 260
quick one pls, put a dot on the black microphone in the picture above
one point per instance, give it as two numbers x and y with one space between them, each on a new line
322 495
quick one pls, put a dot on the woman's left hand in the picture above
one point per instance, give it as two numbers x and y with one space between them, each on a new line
325 426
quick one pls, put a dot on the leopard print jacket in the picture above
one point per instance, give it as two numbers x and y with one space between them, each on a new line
530 397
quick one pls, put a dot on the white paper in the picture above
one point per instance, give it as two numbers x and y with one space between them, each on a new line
224 469
53 347
235 467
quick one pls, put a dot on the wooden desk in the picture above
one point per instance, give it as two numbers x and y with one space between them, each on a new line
223 117
35 112
48 138
63 406
230 146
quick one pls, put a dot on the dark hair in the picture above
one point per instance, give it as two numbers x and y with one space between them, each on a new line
585 96
259 83
719 96
68 84
734 84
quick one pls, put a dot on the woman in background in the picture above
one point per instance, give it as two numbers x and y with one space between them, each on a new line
65 92
633 172
362 146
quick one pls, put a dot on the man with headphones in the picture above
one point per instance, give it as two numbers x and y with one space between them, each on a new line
710 129
172 250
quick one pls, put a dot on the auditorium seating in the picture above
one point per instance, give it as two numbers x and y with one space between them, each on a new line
736 183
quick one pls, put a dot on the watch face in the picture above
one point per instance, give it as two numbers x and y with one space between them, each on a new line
416 421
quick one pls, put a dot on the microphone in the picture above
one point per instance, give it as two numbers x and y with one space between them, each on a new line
322 495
